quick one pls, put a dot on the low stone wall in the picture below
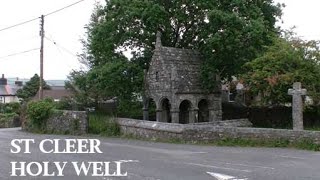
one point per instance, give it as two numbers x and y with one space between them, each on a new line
73 122
207 133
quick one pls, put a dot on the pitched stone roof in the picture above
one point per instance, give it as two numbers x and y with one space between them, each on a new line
185 66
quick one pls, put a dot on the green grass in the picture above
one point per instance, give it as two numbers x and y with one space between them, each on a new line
316 128
103 124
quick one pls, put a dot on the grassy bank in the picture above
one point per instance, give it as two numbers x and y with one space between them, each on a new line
103 124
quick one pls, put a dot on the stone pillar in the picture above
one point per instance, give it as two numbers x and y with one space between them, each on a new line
297 105
159 115
175 115
193 115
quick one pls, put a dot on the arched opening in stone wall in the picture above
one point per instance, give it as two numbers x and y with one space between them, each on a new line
152 110
203 113
165 114
184 112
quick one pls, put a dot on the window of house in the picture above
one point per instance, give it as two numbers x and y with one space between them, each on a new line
1 99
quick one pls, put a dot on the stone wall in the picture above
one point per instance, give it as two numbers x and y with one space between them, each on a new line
69 122
205 133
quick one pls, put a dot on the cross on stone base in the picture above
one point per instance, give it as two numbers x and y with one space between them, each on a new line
297 105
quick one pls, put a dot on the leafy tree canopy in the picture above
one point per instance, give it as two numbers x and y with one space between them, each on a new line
289 60
31 88
228 33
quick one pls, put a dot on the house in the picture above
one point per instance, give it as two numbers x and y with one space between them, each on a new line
173 83
8 91
56 92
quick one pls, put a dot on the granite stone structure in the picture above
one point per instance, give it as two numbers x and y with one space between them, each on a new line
204 133
297 105
173 83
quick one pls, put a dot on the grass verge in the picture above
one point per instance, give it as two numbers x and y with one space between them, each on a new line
103 124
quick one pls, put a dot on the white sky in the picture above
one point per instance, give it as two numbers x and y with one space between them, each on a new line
66 28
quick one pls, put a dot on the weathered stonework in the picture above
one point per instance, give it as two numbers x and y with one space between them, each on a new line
297 105
209 133
71 122
173 83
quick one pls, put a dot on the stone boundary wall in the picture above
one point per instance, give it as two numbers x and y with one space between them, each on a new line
205 133
68 122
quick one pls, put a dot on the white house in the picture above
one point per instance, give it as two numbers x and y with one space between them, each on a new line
8 91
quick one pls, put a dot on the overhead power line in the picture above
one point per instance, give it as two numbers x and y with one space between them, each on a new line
28 21
59 46
19 24
18 53
53 12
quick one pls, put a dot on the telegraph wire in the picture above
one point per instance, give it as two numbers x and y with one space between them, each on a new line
59 46
31 20
53 12
19 24
18 53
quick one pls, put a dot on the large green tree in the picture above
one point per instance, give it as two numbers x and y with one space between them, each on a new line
289 60
31 88
228 33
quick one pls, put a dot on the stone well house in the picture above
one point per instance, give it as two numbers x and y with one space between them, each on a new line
173 83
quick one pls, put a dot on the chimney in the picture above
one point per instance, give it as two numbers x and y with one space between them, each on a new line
3 81
158 41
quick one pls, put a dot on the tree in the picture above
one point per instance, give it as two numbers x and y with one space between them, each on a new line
228 33
31 88
289 60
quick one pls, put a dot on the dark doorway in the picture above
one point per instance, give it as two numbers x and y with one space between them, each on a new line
184 114
152 110
165 115
203 114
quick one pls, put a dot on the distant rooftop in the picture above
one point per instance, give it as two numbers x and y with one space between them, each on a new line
11 81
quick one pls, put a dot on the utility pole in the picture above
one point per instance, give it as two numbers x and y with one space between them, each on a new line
41 57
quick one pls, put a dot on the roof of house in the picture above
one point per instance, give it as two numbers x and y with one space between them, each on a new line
9 90
55 93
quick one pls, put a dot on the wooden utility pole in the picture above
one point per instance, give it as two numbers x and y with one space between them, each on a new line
41 57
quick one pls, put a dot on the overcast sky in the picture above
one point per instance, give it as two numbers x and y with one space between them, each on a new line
66 28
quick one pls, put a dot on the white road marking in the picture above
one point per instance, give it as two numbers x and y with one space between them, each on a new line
219 176
217 167
292 157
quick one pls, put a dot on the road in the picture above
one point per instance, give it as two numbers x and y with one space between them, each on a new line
161 161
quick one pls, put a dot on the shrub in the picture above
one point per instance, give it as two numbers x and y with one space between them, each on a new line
7 120
64 104
13 107
38 112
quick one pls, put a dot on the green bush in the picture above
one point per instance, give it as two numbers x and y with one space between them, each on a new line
13 107
64 104
129 109
38 112
6 120
102 124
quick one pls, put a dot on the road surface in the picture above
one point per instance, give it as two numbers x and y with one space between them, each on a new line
160 161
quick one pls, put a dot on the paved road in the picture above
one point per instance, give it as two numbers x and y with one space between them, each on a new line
160 161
